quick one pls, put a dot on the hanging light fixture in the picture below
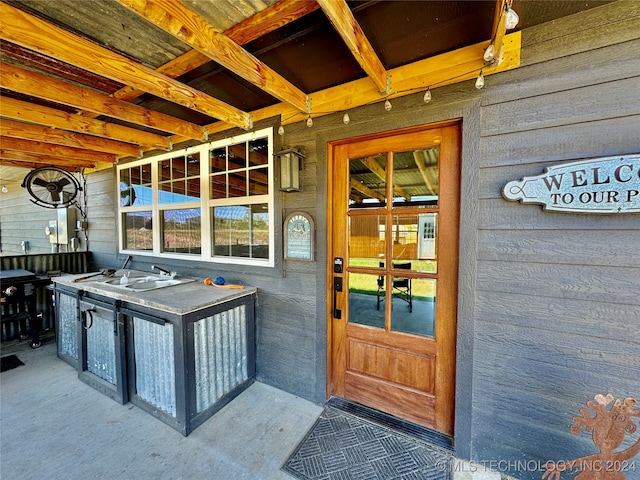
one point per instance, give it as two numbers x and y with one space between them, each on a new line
346 119
480 81
290 167
427 95
511 18
309 122
280 130
489 53
387 105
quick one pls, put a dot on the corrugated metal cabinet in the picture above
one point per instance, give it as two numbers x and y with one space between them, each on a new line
180 368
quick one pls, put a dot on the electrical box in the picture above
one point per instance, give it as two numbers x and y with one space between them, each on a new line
62 230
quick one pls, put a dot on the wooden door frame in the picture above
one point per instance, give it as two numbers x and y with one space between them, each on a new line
334 211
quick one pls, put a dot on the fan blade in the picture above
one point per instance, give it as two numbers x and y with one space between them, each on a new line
55 196
62 183
40 182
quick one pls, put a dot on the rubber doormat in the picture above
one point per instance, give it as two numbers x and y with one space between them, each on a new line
9 362
341 446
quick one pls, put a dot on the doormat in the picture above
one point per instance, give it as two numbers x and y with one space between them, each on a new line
9 363
342 446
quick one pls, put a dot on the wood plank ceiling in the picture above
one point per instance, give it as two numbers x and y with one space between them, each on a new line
85 83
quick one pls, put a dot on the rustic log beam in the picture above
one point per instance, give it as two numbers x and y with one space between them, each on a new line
58 151
36 34
50 117
28 131
48 88
177 20
346 25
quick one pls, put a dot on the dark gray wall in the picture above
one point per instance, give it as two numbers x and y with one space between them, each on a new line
556 305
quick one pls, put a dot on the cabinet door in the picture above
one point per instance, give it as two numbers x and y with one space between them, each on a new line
102 353
67 323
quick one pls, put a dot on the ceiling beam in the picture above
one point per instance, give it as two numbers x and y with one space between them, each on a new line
264 22
177 20
16 158
48 88
35 34
28 131
50 117
57 151
346 25
429 173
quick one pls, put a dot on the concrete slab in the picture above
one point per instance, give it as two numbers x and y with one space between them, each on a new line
54 426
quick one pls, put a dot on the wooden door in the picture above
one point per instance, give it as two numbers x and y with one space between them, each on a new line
392 274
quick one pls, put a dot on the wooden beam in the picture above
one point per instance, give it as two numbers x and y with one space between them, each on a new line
174 18
28 131
346 25
18 159
48 88
60 151
266 21
50 117
36 34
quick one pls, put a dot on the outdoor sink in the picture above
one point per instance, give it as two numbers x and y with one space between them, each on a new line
141 284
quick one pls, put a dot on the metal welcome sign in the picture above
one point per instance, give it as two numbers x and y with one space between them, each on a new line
601 185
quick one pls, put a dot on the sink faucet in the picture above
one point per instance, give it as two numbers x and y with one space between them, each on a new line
163 271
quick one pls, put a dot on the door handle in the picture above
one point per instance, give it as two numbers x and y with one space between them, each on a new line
337 287
85 324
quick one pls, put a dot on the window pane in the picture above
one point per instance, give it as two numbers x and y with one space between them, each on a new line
259 181
175 184
258 152
366 240
241 231
181 231
218 162
366 300
413 308
237 184
415 177
137 231
218 186
414 240
237 157
133 192
368 180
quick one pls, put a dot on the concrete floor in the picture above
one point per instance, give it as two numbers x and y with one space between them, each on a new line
53 426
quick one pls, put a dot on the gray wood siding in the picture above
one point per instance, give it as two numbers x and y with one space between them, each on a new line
557 315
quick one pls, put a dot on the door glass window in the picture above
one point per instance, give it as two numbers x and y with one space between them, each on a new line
415 177
368 181
413 306
367 237
366 299
414 240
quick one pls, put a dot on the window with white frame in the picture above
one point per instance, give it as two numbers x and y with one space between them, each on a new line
213 202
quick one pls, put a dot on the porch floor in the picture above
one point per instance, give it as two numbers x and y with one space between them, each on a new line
54 426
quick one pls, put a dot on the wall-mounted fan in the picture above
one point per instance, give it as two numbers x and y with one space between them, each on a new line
51 187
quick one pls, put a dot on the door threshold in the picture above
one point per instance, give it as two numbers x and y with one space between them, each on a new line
418 432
